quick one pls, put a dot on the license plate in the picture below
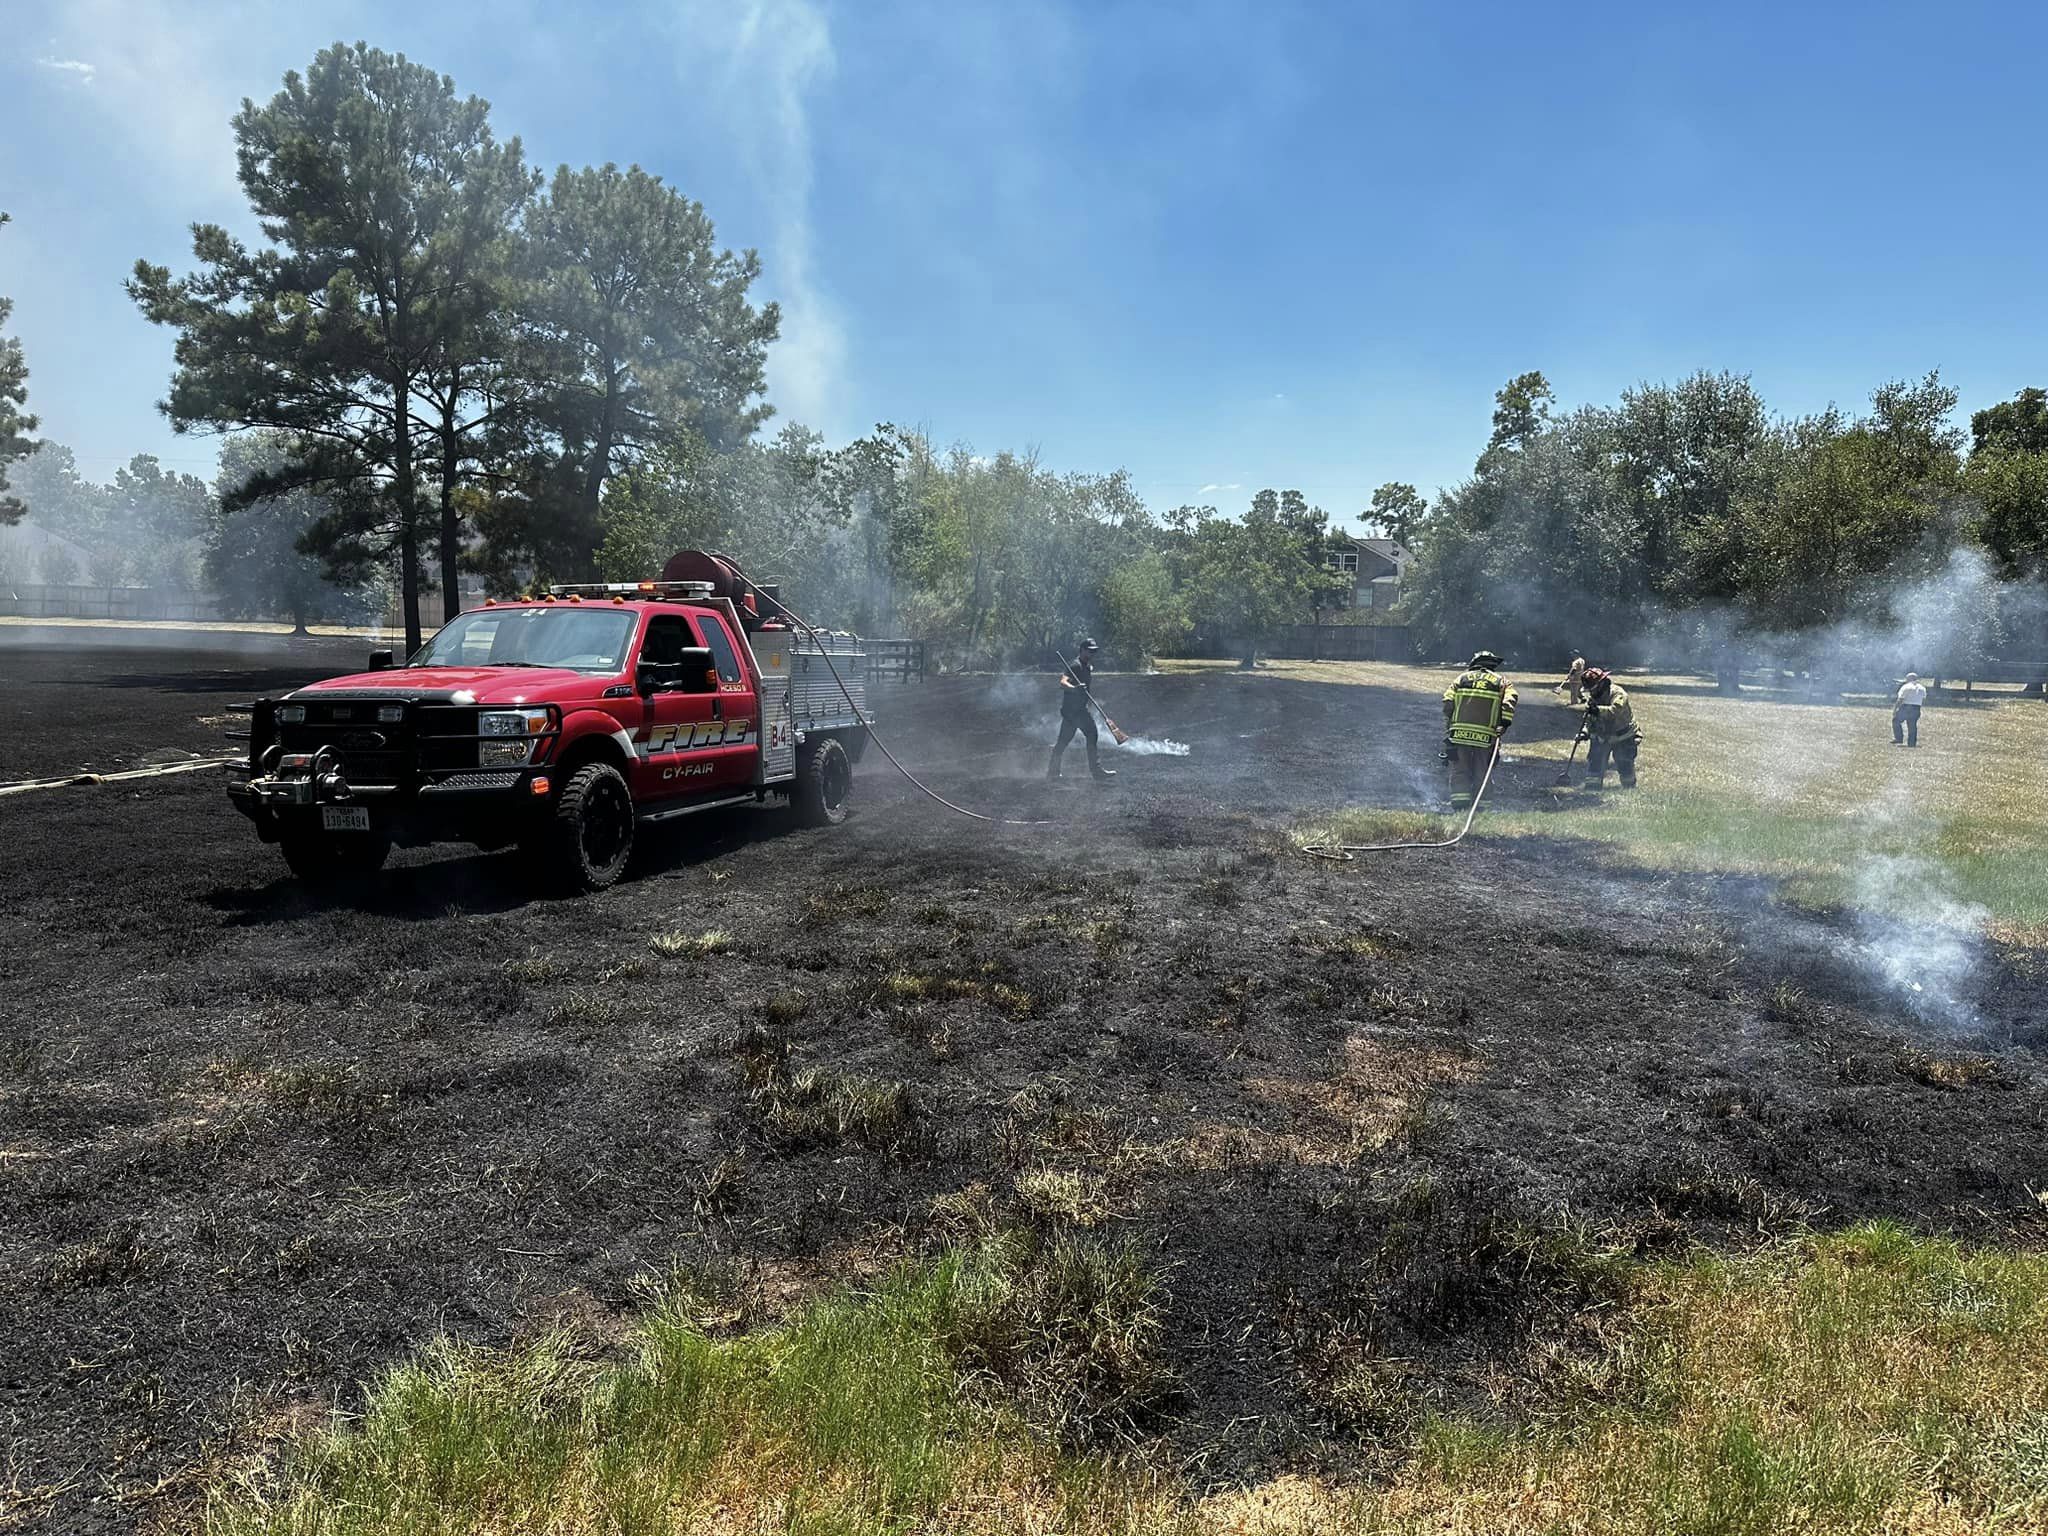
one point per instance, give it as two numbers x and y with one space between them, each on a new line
345 818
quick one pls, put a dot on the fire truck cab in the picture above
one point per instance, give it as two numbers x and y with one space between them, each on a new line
561 723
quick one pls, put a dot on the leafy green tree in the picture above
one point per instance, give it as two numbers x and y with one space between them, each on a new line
57 497
378 187
1858 508
258 563
157 526
2018 425
15 422
1144 614
1397 510
1521 407
1246 580
640 335
666 502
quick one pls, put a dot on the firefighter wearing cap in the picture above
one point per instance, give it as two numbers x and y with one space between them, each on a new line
1478 709
1906 711
1077 713
1610 730
1575 680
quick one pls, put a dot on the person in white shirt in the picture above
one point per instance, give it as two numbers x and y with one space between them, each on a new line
1906 712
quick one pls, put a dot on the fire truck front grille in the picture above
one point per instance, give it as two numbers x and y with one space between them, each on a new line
383 753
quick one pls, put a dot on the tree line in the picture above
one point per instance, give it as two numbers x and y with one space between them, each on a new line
1687 519
439 360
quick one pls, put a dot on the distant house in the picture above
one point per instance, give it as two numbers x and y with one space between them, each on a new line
1368 572
30 555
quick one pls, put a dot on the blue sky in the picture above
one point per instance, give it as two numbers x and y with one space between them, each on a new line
1221 245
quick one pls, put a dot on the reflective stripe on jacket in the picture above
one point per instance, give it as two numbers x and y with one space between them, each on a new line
1478 707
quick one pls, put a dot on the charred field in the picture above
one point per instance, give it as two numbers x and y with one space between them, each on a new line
256 1148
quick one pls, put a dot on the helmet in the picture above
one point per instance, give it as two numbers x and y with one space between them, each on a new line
1595 678
1090 645
1485 659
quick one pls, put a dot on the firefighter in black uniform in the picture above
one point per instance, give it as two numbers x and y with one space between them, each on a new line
1077 713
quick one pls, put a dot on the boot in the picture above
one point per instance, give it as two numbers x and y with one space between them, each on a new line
1103 775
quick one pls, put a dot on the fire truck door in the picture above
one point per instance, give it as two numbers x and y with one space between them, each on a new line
676 722
739 743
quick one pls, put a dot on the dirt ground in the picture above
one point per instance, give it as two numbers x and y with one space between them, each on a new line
255 1146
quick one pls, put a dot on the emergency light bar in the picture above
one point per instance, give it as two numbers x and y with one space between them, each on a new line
688 591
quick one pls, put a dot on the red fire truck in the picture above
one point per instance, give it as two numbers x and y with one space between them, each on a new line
560 723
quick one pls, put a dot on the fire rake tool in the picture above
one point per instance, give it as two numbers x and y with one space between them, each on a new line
1584 734
1122 736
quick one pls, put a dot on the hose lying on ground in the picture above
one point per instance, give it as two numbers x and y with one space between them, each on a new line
861 715
22 786
1341 853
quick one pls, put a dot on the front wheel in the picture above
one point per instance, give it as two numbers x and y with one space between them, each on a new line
824 783
587 839
322 858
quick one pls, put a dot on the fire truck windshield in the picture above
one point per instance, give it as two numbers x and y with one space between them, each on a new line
580 640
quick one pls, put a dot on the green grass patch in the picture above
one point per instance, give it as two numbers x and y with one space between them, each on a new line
1864 1381
941 1400
1811 794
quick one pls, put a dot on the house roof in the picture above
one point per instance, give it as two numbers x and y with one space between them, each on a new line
1391 549
28 538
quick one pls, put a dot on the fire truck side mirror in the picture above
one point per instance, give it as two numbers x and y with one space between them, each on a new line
379 660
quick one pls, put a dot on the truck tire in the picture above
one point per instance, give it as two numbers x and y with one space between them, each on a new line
824 783
587 839
323 858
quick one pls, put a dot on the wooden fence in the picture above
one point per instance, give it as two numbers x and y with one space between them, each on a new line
40 601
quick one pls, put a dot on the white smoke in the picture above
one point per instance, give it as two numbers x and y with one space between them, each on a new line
1153 746
1921 943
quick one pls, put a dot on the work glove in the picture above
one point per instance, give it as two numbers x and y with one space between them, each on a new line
1584 735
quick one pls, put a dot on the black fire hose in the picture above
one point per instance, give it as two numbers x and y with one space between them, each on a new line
1341 853
861 715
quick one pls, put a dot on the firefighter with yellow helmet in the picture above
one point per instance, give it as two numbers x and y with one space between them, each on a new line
1478 709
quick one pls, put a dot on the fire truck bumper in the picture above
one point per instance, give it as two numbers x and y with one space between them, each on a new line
453 807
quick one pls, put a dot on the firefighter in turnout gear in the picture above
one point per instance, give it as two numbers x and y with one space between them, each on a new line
1077 712
1478 709
1610 730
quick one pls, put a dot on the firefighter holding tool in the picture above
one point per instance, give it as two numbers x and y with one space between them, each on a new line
1077 712
1478 709
1610 730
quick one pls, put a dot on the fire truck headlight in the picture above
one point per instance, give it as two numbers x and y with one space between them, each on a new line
291 714
512 722
510 735
390 714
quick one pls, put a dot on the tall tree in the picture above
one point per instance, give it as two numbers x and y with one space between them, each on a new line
1520 408
15 422
2007 482
376 184
1396 511
258 564
1245 580
646 335
2018 425
157 526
